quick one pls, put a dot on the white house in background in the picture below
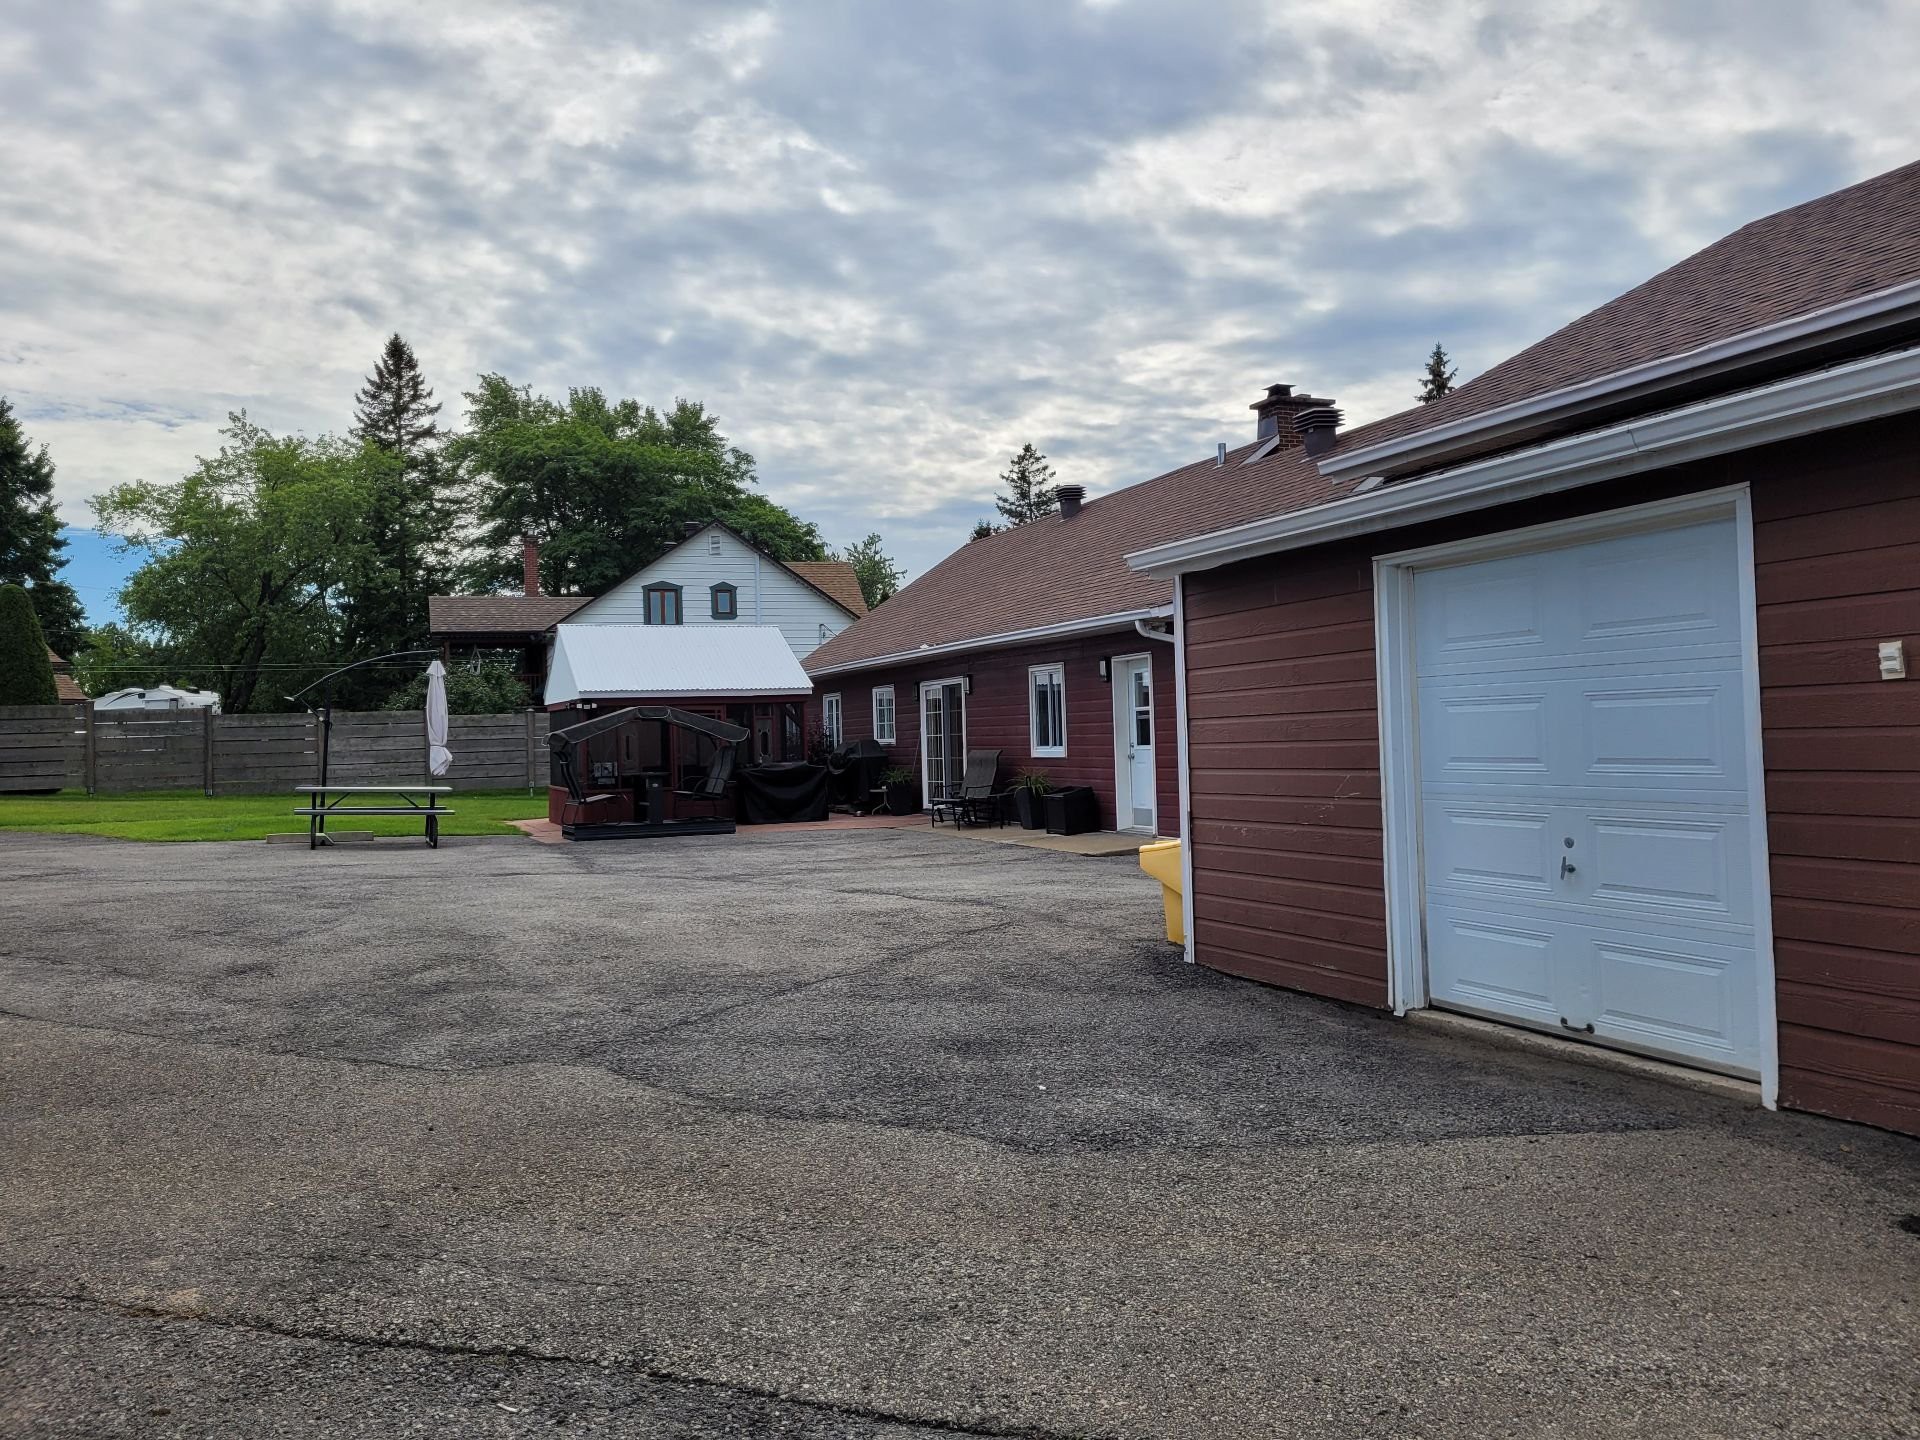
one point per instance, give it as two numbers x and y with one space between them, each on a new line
159 697
713 577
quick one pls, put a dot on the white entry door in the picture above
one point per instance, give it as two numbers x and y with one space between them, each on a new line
1583 790
1133 748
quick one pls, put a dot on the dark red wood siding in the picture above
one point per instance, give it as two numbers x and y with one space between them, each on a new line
997 712
1288 871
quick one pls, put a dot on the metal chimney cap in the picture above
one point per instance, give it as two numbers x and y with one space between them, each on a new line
1071 497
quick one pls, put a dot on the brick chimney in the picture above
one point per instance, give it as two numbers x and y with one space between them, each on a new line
529 565
1279 412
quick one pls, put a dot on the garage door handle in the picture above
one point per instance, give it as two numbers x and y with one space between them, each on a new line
1567 867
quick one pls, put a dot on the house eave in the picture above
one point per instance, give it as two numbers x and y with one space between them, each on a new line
1899 304
1847 394
1066 629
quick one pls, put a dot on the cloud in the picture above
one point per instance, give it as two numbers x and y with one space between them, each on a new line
886 244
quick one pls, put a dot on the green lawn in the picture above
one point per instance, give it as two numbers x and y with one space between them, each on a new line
186 815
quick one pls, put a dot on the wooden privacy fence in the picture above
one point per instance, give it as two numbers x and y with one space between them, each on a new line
56 747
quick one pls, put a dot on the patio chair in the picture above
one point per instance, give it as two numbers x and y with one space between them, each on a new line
711 787
574 808
975 799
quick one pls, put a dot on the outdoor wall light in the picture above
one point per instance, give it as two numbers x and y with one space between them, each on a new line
1106 668
966 684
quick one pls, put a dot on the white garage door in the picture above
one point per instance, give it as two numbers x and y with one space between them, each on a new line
1583 784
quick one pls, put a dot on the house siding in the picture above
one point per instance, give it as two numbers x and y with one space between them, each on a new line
996 713
767 593
1289 879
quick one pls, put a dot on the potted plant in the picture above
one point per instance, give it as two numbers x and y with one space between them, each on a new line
1030 789
903 790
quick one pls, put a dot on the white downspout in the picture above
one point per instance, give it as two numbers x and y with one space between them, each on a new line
1164 636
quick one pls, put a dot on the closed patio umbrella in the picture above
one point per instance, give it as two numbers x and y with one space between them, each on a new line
438 756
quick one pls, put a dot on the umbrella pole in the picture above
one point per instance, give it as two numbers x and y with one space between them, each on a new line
326 744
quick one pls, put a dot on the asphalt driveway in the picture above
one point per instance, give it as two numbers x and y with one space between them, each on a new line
869 1134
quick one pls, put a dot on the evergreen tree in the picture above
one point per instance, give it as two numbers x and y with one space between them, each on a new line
1438 379
879 577
410 521
32 550
26 674
982 529
1029 482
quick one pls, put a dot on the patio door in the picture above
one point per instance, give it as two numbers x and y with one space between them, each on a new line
943 737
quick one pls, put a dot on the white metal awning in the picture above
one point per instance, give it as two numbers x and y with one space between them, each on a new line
596 662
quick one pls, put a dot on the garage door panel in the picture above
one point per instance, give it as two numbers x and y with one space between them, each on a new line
1469 618
1680 1001
1675 587
1633 728
1488 962
1656 866
1487 737
1473 847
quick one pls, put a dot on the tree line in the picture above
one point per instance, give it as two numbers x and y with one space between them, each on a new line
283 556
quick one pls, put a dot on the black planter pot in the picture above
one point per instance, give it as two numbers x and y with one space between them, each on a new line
1030 808
1073 811
903 797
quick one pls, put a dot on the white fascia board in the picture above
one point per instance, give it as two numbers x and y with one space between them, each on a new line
1824 400
1092 625
1883 308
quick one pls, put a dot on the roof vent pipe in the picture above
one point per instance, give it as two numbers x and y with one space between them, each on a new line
1318 429
1071 498
1220 453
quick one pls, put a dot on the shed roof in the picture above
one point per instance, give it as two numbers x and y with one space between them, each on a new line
663 662
452 616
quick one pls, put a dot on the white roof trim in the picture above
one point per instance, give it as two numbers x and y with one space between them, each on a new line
1822 400
1835 322
1093 624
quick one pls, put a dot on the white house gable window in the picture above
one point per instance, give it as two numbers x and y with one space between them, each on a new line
883 714
663 604
726 602
830 719
1047 710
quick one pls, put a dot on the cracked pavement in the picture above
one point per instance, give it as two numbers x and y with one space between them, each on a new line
860 1134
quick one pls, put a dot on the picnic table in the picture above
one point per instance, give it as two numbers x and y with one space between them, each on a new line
319 807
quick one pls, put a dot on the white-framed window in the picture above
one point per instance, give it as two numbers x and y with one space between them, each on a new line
1047 710
830 719
883 714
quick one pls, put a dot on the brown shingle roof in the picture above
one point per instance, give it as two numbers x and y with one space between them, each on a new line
455 615
65 687
1851 243
836 578
1055 570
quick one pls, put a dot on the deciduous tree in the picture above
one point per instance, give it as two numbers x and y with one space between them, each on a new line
605 486
248 560
879 577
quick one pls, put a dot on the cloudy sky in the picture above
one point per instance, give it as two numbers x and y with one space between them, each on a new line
886 242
